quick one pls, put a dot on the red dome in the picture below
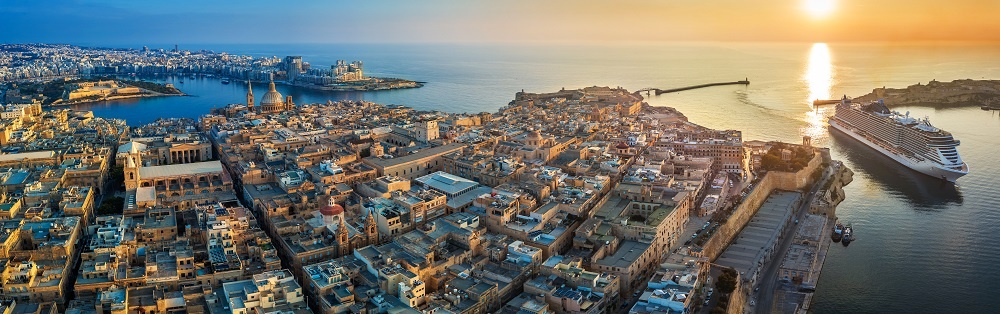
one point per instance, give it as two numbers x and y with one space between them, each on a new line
331 210
622 145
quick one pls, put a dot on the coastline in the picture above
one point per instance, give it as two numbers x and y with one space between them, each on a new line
822 208
935 94
374 84
68 104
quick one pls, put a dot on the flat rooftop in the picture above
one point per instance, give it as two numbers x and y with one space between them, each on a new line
747 250
27 155
180 169
628 253
447 183
423 153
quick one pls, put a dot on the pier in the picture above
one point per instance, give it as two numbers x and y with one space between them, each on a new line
820 102
658 91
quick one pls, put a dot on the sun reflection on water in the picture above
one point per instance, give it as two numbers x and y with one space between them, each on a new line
819 78
819 74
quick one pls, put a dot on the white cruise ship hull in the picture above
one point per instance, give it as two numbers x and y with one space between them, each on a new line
926 167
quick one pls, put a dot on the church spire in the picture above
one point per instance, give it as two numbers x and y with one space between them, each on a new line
343 243
371 229
249 96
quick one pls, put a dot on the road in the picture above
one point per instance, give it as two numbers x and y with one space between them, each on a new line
765 297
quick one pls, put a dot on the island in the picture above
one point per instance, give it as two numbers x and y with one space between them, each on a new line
67 91
985 93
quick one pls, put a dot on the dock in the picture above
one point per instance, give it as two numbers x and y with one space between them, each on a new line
820 102
658 91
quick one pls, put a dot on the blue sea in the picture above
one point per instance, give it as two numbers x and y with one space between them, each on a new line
923 246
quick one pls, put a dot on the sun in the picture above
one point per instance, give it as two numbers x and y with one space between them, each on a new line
818 8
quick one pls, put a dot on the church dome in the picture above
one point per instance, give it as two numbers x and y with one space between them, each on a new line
534 135
272 97
331 209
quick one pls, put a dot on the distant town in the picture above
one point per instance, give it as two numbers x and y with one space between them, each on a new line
43 62
573 201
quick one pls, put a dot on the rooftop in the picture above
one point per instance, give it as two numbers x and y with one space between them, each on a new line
628 253
180 169
389 162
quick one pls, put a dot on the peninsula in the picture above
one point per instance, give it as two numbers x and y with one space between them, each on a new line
66 91
939 94
590 198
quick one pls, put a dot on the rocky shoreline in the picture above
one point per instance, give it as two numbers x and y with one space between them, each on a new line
957 93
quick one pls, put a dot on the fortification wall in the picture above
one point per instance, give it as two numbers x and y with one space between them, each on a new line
787 181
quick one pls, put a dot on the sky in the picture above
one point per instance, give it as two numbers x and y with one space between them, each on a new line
109 22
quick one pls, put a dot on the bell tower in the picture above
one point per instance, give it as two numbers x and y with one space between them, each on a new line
249 96
343 239
131 171
371 230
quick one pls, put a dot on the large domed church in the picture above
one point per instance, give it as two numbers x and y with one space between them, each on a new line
272 101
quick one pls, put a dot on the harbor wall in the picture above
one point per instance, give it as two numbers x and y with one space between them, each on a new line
738 299
773 180
832 192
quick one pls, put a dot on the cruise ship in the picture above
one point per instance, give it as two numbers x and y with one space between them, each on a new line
915 143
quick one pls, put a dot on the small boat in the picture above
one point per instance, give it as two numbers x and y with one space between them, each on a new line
848 235
225 81
838 233
182 82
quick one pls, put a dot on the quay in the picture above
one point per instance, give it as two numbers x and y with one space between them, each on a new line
658 91
820 102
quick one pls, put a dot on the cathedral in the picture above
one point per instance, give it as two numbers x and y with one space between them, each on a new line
272 102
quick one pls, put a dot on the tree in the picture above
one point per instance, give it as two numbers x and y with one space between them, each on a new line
771 162
117 177
111 206
717 310
730 271
726 283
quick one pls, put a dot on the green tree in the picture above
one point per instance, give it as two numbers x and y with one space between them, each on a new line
726 283
117 177
111 206
771 162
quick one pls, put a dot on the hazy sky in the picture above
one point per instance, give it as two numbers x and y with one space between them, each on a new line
570 21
